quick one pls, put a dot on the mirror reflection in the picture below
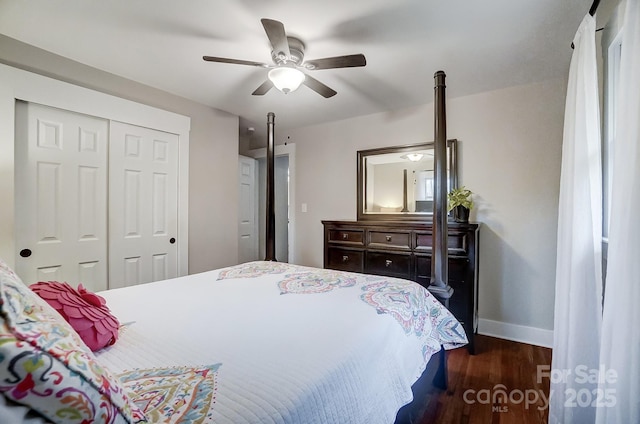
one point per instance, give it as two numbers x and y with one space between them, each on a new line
398 182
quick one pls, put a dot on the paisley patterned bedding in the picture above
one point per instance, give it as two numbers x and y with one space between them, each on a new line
268 342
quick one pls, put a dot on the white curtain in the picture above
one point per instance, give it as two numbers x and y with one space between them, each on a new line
620 347
578 295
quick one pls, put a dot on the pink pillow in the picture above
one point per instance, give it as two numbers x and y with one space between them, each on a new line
85 311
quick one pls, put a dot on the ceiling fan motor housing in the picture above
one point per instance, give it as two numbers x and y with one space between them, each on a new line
296 53
287 54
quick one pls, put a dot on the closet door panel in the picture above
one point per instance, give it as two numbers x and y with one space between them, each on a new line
61 196
143 209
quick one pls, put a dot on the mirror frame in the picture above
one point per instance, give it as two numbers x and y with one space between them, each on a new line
452 165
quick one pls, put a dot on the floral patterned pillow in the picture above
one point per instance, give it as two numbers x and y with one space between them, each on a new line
45 365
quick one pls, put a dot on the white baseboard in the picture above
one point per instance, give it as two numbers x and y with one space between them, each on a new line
516 333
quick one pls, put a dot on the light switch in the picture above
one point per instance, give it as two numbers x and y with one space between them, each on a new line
304 207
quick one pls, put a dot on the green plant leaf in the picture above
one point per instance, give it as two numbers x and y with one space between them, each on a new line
460 196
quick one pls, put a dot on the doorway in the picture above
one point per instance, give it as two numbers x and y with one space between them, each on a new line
284 196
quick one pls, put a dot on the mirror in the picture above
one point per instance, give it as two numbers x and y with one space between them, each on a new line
397 182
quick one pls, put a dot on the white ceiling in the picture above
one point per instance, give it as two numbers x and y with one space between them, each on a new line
481 45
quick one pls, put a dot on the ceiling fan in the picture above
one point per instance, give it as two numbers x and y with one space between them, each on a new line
288 57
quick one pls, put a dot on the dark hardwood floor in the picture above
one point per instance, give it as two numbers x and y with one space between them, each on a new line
497 385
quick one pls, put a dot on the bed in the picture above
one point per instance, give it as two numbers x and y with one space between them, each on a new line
261 342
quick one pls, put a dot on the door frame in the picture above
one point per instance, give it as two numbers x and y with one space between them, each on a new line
18 84
288 149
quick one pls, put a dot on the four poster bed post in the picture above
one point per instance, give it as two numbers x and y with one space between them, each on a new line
439 273
270 232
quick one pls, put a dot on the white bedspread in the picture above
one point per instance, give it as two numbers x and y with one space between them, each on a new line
269 342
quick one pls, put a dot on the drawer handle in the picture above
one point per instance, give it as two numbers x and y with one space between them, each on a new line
388 262
388 238
345 258
345 236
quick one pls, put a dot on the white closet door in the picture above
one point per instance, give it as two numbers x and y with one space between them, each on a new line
61 196
143 205
248 242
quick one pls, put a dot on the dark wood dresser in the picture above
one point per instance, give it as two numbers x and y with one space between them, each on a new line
403 249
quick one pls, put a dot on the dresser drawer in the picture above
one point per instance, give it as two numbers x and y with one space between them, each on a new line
457 243
391 264
460 305
457 269
345 259
389 239
346 236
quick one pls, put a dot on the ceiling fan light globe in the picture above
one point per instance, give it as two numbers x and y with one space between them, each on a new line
286 79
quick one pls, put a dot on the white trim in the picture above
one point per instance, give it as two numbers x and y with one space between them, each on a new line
19 84
288 149
517 333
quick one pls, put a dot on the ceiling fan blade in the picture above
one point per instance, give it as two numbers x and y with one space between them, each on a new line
234 61
319 87
262 90
349 61
277 37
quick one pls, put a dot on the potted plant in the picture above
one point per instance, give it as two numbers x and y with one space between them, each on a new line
459 200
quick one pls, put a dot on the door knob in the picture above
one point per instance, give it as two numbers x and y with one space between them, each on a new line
172 240
25 253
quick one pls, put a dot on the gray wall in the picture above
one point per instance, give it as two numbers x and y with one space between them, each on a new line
213 159
509 151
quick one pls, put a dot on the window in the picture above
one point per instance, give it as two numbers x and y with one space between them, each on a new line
612 52
608 141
